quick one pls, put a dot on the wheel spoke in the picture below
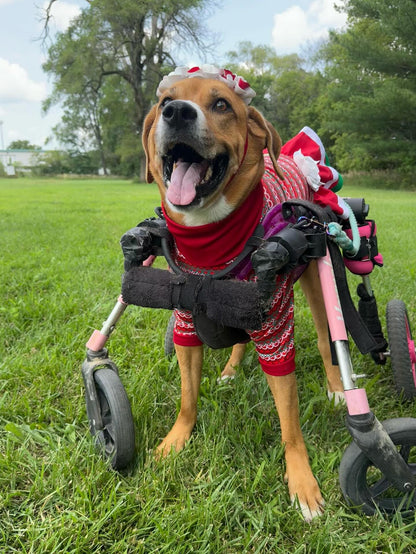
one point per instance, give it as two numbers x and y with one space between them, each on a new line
405 452
380 487
110 443
392 503
110 431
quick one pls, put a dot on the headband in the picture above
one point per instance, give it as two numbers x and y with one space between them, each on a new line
234 82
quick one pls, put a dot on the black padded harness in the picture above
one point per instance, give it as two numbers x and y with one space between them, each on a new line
222 307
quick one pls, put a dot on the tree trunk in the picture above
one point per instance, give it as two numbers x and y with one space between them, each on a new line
142 175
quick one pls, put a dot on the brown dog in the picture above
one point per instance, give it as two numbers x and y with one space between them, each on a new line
204 148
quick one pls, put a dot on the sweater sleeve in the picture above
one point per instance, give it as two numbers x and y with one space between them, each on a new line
184 333
274 342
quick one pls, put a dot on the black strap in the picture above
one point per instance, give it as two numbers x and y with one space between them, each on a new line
252 243
358 330
367 308
300 208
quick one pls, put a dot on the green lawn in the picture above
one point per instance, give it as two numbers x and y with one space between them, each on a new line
60 276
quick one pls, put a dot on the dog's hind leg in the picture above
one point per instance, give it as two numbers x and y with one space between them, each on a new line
311 287
303 487
190 364
237 355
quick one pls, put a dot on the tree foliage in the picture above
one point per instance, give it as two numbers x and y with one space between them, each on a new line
128 41
22 145
371 92
286 93
360 95
60 162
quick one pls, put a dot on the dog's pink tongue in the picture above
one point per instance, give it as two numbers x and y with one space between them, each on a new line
183 182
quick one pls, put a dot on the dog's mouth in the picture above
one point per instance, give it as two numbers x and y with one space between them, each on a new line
189 177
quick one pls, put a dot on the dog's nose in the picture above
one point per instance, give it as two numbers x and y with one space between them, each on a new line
179 114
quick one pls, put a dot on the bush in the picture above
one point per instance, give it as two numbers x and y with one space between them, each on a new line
58 162
378 179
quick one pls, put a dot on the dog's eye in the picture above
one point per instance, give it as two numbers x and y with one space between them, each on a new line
165 101
221 105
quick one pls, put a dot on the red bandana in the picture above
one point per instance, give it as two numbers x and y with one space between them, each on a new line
214 244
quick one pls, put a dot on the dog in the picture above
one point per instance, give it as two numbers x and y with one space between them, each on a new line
208 151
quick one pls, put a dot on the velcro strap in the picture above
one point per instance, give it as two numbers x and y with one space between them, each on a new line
368 249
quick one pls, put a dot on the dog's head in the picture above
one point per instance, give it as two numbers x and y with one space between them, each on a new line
204 148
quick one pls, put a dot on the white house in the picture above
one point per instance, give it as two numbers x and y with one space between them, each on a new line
24 160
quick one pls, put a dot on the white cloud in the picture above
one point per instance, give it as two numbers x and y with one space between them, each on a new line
13 135
16 85
62 14
296 26
4 2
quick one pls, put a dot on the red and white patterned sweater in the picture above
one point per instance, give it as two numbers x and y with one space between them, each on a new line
274 342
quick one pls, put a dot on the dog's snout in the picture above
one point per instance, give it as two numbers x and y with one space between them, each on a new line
179 114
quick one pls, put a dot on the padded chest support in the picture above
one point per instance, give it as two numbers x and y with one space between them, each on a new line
228 302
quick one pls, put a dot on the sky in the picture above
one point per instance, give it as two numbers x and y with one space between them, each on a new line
286 26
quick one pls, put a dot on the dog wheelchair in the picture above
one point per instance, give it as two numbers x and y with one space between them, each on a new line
378 469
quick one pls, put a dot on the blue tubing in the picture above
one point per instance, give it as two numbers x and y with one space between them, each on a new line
349 246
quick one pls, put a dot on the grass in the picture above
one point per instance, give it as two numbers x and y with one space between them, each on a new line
60 276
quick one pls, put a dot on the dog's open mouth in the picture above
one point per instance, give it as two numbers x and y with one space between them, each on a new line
190 177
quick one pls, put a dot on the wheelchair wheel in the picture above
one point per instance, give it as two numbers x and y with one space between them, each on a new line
402 349
116 440
363 485
168 343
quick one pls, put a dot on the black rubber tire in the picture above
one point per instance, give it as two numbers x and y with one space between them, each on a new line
168 342
398 330
365 487
116 440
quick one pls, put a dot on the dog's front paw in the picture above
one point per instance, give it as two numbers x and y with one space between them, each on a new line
175 440
168 445
304 491
309 512
310 503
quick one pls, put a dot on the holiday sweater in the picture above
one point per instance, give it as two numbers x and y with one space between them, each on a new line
208 248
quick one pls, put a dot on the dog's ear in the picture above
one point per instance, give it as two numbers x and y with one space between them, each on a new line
273 142
147 125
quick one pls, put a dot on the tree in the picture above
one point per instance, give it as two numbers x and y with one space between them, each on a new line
286 94
371 98
57 162
22 145
127 40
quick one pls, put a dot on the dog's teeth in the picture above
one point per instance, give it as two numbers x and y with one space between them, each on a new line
208 175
